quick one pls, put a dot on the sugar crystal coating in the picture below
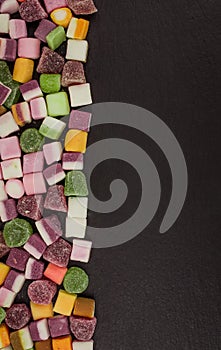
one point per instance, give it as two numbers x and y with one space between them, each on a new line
76 280
55 199
17 259
17 232
31 10
82 328
42 292
17 316
75 184
50 62
34 269
73 73
58 253
31 140
82 7
31 206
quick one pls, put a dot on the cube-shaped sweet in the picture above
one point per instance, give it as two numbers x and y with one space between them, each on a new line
58 104
80 95
84 307
56 37
73 161
75 184
17 28
43 345
8 49
77 207
7 125
62 343
49 229
80 120
4 272
52 128
7 297
76 141
58 326
30 90
21 113
54 4
23 70
75 227
73 73
4 23
72 28
61 16
21 339
31 207
52 152
54 174
14 281
50 62
5 92
34 183
81 29
82 7
29 48
81 250
43 29
8 210
3 193
50 83
41 311
10 148
9 6
55 273
39 330
82 345
65 303
4 336
38 108
34 270
17 259
77 50
11 169
33 162
35 246
32 11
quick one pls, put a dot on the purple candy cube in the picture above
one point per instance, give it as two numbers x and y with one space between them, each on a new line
17 29
44 28
58 326
54 4
31 206
39 330
83 328
14 281
49 229
35 246
31 90
8 49
34 269
55 199
17 259
80 120
72 161
4 93
8 210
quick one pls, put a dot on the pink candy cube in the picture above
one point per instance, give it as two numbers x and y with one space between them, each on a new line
38 108
9 6
10 148
54 174
8 210
54 4
7 297
33 162
81 250
52 152
17 29
34 183
31 90
8 49
80 120
29 48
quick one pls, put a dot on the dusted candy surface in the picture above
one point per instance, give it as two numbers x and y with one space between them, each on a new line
4 93
10 148
31 10
58 253
77 207
75 281
41 311
80 95
8 49
31 140
86 345
50 83
75 184
83 328
30 90
11 169
58 326
17 232
80 120
73 73
38 108
75 227
54 174
42 292
29 48
55 199
17 316
50 62
77 50
81 29
65 303
34 269
52 152
14 188
17 259
54 4
31 206
82 7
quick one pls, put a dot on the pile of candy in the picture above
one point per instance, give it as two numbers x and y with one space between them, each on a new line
41 175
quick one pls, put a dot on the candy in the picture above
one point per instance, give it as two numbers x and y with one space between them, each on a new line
55 199
75 281
7 125
30 90
17 258
4 93
75 227
80 95
33 162
10 148
54 174
75 184
14 95
8 49
56 37
72 28
35 246
8 210
58 104
21 339
9 6
78 28
34 183
49 229
43 29
6 298
15 188
50 62
82 328
11 169
58 326
77 207
17 316
39 330
80 120
72 161
65 303
3 193
14 281
77 50
58 253
52 152
4 272
17 29
62 343
3 110
4 336
50 83
41 311
2 314
73 73
43 345
21 113
76 141
34 269
52 128
61 16
31 207
23 70
85 345
81 250
31 140
82 7
38 108
42 292
31 10
54 4
29 48
17 232
55 273
5 75
4 249
84 307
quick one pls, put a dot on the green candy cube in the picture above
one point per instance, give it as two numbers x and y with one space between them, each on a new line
2 314
58 104
6 79
50 83
52 128
75 184
56 37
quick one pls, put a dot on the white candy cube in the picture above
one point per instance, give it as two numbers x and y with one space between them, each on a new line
80 95
7 125
72 28
81 250
83 345
7 297
77 207
52 152
77 50
11 169
4 23
75 227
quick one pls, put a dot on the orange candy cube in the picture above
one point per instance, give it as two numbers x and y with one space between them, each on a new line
41 311
55 273
84 307
62 343
81 29
4 336
76 141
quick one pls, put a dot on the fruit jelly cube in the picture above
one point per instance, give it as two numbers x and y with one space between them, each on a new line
83 345
77 207
58 104
10 148
65 303
82 7
4 23
39 330
61 16
75 184
84 307
17 29
38 108
72 161
8 49
4 336
82 328
41 311
56 37
4 93
9 6
31 206
17 259
73 73
62 343
8 210
54 174
75 227
4 272
31 90
35 246
34 269
76 141
14 95
58 253
3 193
21 339
77 50
33 162
50 62
29 48
58 326
80 95
23 70
21 113
15 188
50 83
49 229
6 297
14 281
34 183
80 120
43 345
81 250
81 29
31 11
55 199
52 128
55 273
11 169
43 29
72 28
52 152
54 4
7 125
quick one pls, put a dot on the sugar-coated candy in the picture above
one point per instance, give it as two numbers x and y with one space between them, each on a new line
7 125
43 345
83 328
42 291
56 37
84 307
77 207
80 95
58 253
39 330
21 113
65 303
4 249
21 339
75 227
55 273
82 7
34 269
8 210
31 207
75 184
33 162
15 188
14 281
58 104
5 74
17 28
54 174
82 345
34 183
4 93
55 199
7 297
77 50
4 272
14 95
17 232
52 152
50 83
8 49
73 73
31 140
72 161
52 128
62 343
23 70
4 336
29 48
76 280
30 90
54 4
41 311
38 108
9 6
76 141
35 246
17 316
3 193
17 259
81 250
49 229
2 314
3 110
80 120
50 62
11 168
10 148
31 10
58 326
61 16
78 28
43 29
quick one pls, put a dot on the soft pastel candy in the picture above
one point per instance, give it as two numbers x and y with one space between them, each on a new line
3 193
23 70
84 307
35 246
21 339
11 168
54 4
73 73
52 152
31 10
41 311
42 292
8 210
17 259
38 108
29 48
50 62
7 125
58 104
21 113
80 95
14 281
64 303
4 93
17 232
9 6
15 188
55 273
52 128
49 229
4 249
81 250
75 184
83 328
80 120
4 272
58 326
8 49
82 345
78 28
72 161
4 336
58 253
31 206
33 162
34 269
43 29
55 199
17 316
61 16
30 90
72 28
43 345
76 280
56 37
31 140
77 207
50 83
7 297
39 330
17 28
82 7
62 343
34 183
75 227
54 174
10 148
76 141
77 50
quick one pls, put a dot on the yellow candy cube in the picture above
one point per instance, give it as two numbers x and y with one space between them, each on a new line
65 303
76 141
41 311
23 70
61 16
4 270
81 29
4 336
